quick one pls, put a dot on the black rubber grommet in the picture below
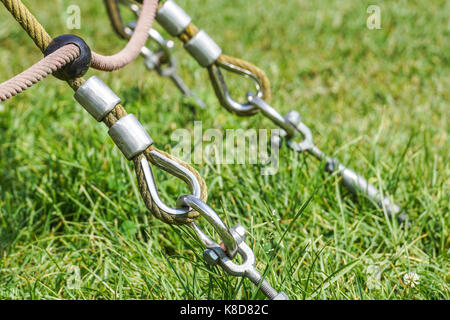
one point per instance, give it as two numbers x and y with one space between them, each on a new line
80 65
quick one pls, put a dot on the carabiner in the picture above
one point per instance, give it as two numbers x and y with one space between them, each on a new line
242 109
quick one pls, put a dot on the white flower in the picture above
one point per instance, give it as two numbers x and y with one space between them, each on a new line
411 279
374 273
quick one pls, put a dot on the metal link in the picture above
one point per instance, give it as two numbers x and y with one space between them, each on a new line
203 49
211 216
96 97
272 114
130 136
173 18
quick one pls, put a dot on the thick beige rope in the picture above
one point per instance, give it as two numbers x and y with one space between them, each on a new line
134 45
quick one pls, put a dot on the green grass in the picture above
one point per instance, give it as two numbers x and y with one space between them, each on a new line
376 99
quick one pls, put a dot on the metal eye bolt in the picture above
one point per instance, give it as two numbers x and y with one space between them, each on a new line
215 255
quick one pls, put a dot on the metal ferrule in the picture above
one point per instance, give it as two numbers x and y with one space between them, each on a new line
173 18
96 97
203 48
130 136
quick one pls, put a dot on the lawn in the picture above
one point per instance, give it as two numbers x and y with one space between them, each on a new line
72 222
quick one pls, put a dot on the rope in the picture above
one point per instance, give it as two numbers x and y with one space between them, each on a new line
38 71
41 38
26 19
134 45
106 63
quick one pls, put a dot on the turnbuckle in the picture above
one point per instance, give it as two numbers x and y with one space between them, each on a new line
233 237
293 126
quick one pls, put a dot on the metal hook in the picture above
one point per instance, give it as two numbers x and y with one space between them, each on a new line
175 169
294 119
243 109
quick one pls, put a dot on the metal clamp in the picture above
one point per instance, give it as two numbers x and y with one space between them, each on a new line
130 136
96 97
173 18
203 49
